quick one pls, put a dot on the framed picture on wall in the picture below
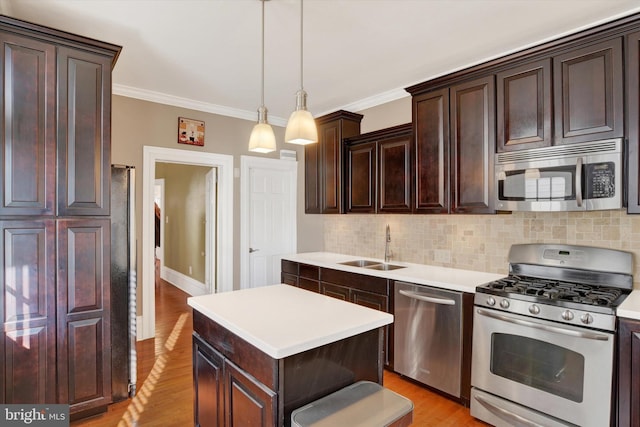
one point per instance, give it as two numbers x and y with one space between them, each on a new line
190 131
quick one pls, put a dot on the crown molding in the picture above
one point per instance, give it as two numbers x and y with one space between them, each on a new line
176 101
373 101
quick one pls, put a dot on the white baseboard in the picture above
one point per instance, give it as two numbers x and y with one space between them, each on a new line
139 332
183 282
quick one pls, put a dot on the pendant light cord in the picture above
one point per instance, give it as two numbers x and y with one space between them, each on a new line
262 70
301 43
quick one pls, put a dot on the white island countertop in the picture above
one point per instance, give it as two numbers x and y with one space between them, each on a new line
440 277
282 320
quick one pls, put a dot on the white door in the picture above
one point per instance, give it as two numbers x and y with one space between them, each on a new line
268 211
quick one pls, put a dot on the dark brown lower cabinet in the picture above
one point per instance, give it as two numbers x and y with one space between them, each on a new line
628 373
236 384
27 285
56 339
207 379
369 291
84 337
246 399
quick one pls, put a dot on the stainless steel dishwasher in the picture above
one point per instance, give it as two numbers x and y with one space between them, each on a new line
428 336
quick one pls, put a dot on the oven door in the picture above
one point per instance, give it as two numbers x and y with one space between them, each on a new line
560 370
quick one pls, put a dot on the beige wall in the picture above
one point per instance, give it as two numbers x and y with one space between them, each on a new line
185 207
387 115
137 123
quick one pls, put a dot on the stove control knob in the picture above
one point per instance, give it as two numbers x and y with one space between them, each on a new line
567 315
491 301
504 303
534 309
586 318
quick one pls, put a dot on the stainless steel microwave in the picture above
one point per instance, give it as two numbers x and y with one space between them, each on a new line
574 177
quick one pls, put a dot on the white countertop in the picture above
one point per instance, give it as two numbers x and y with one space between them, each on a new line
630 307
439 277
282 320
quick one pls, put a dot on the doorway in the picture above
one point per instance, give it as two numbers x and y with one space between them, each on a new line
223 228
186 225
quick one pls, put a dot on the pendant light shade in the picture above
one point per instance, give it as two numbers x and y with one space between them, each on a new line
262 139
301 128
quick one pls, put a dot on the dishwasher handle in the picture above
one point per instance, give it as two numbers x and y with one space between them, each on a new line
426 298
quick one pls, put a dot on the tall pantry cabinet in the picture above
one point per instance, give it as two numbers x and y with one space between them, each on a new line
55 144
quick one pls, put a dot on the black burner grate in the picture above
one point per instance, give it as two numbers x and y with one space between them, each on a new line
557 290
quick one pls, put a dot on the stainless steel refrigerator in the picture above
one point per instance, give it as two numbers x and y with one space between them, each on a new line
123 283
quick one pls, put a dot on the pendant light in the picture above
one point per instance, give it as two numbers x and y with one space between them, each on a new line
262 139
301 128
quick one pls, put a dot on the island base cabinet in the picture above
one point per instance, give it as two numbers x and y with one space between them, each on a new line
247 402
207 380
236 384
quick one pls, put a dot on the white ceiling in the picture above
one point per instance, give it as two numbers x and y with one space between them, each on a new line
205 54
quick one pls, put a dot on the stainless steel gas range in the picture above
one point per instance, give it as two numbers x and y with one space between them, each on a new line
544 337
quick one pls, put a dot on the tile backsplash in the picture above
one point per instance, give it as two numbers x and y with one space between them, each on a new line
479 242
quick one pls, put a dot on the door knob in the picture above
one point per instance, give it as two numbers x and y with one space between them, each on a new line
251 250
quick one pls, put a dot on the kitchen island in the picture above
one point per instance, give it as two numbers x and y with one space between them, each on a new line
259 354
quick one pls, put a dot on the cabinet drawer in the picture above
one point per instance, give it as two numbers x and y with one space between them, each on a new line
310 285
335 291
368 299
289 279
309 271
289 267
249 358
363 282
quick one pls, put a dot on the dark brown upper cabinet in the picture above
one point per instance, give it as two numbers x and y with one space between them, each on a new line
523 100
28 143
395 173
633 113
324 162
473 123
588 93
431 129
84 132
454 131
361 178
379 172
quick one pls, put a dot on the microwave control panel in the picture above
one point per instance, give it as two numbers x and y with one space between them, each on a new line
600 180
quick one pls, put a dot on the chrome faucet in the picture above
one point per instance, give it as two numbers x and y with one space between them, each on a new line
387 252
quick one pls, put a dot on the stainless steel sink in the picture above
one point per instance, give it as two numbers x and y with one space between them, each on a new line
360 263
384 267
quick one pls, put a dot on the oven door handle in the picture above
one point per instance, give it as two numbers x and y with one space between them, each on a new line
505 414
547 328
421 297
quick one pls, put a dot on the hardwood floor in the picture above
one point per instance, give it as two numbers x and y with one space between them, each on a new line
165 386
